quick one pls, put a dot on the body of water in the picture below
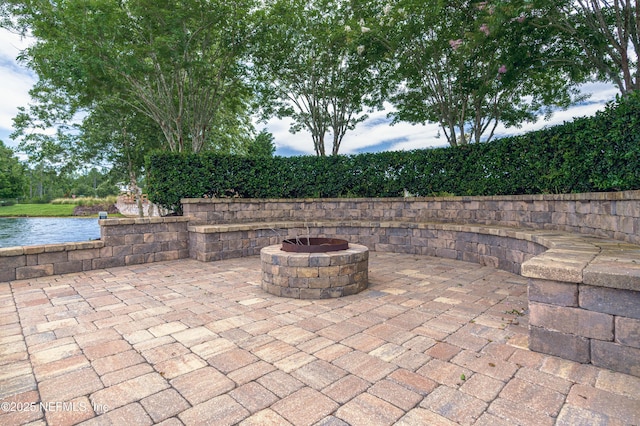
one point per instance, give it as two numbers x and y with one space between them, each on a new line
31 231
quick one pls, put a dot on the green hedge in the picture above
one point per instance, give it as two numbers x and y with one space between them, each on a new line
599 153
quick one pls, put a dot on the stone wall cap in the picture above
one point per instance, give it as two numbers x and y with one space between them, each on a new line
33 249
116 222
49 248
11 251
52 248
615 269
585 196
142 220
170 219
556 266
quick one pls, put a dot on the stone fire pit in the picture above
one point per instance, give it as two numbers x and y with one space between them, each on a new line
289 271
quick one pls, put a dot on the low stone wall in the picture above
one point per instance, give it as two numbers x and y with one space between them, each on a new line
584 301
145 240
123 242
614 215
18 263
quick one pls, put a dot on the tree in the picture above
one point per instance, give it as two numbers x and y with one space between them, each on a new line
52 110
120 137
106 189
606 33
472 65
190 68
94 183
262 146
44 183
11 174
177 63
309 63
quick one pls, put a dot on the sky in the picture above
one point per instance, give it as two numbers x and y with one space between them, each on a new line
373 135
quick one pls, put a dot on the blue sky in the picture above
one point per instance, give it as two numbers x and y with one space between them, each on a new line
373 135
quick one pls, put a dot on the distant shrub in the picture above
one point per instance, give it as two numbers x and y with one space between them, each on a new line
36 200
86 201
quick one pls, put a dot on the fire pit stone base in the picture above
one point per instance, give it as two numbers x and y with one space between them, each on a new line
315 275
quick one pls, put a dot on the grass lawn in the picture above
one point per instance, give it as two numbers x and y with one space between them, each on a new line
37 210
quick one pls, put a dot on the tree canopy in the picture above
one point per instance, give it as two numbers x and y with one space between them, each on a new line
472 65
118 79
178 64
11 173
606 34
309 65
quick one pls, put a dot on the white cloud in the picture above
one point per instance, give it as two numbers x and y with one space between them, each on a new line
15 92
375 133
299 142
12 43
601 93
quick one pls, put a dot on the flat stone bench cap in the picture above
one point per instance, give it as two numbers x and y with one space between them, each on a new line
142 220
252 226
558 265
588 260
617 266
501 231
49 248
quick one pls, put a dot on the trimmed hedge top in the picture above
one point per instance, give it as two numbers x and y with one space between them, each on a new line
599 153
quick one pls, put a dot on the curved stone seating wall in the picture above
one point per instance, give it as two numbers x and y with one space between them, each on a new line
579 252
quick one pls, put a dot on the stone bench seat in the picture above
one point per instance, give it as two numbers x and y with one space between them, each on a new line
584 291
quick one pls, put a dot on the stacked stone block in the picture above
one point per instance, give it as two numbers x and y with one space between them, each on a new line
144 240
209 243
587 324
26 262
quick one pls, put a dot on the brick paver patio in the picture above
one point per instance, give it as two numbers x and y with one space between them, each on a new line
431 342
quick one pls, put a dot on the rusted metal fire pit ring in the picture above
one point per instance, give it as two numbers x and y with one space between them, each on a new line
314 245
